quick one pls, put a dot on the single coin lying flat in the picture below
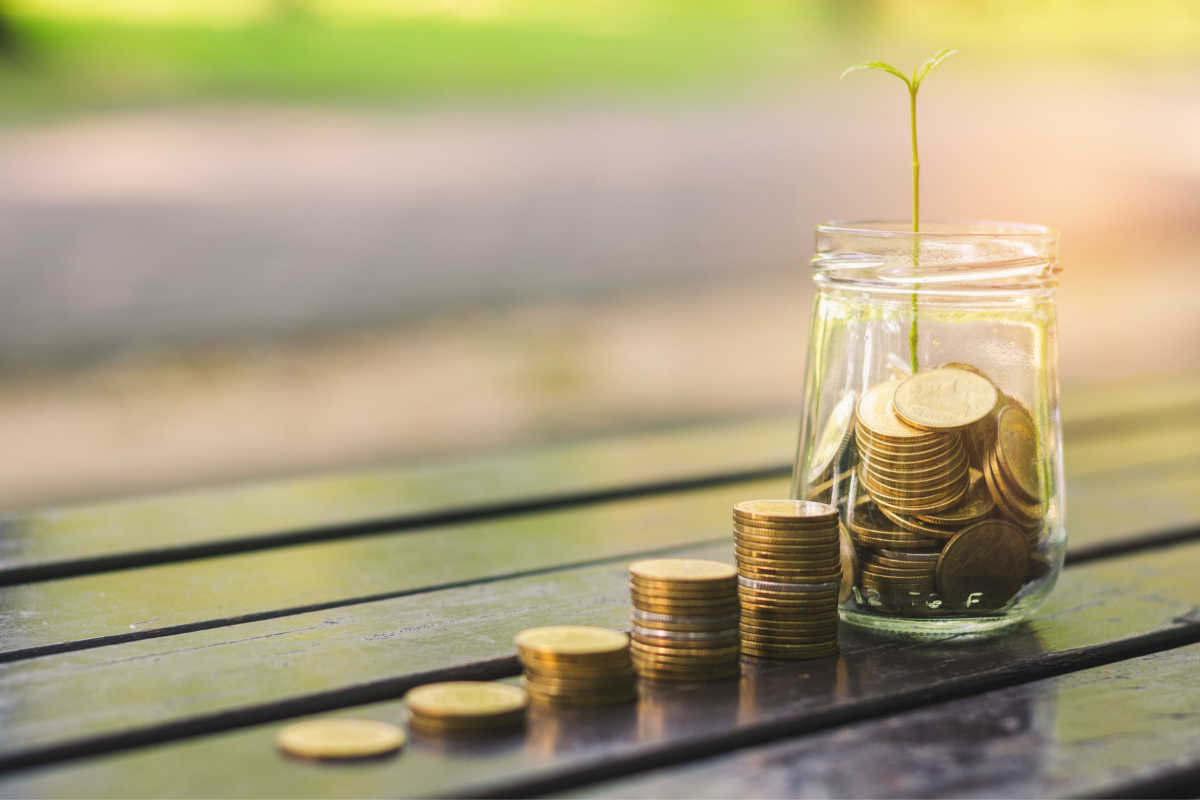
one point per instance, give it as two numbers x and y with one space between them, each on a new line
339 738
944 399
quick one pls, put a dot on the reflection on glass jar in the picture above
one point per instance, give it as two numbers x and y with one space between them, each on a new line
948 479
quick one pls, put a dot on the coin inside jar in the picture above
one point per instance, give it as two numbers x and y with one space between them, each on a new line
944 399
984 565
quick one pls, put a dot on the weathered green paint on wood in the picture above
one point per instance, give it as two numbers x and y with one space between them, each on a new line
134 602
1085 733
165 527
1099 607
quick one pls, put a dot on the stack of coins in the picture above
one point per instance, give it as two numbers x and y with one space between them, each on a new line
1010 469
685 619
938 453
910 470
572 665
466 707
789 577
896 575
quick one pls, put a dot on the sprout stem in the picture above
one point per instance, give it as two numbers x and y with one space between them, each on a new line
916 219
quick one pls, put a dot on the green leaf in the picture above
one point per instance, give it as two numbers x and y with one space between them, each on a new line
881 65
928 66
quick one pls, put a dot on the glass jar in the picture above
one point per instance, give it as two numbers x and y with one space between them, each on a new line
931 421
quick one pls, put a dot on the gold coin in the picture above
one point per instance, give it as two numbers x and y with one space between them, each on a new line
793 575
889 570
708 672
665 596
780 512
583 672
826 541
917 525
943 484
876 415
654 636
916 473
893 563
830 558
806 556
834 437
682 570
816 625
571 640
944 399
984 566
670 592
466 699
796 652
684 609
799 635
901 468
849 558
932 504
340 738
1015 496
919 446
904 555
1006 498
683 651
676 622
1017 448
975 506
753 638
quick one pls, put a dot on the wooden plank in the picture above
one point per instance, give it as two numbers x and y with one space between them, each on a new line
127 605
138 531
164 528
1124 729
1102 612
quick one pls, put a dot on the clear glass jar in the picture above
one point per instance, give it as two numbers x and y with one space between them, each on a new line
948 481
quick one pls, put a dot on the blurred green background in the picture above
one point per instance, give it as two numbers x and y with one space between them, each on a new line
246 239
68 55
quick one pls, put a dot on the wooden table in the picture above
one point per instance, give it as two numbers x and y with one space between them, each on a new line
154 647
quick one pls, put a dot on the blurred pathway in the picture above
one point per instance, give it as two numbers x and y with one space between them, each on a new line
514 275
155 229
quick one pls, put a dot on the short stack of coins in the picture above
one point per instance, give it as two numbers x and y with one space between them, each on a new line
576 665
939 454
789 577
685 619
458 708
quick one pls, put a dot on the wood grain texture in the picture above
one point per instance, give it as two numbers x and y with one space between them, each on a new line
1127 726
127 605
159 529
1102 612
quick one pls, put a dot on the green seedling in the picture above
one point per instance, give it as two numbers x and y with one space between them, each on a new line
914 84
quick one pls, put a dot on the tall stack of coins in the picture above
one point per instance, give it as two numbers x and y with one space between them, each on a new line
939 453
574 665
466 707
789 577
685 619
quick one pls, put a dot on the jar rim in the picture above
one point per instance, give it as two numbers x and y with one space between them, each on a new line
983 229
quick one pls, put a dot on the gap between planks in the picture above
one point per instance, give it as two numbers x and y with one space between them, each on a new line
1093 424
1185 632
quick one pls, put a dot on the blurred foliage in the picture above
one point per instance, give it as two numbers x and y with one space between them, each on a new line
67 54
